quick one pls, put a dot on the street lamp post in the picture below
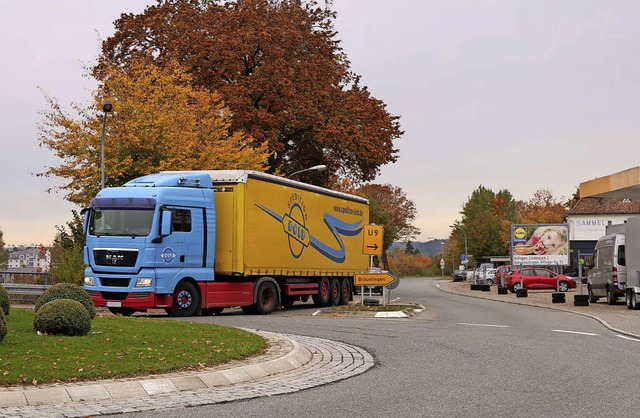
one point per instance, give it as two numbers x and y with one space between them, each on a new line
320 167
107 107
466 259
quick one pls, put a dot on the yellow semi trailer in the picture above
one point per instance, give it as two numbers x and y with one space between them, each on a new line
206 240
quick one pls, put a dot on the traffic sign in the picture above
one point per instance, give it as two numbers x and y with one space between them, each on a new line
373 279
441 263
372 239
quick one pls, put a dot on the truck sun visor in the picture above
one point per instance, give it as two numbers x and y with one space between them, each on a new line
123 203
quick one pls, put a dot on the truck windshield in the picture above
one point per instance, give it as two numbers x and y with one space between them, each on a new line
121 222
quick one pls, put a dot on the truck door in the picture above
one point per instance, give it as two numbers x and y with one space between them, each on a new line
183 248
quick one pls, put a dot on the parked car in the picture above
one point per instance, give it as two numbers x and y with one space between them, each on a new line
506 270
539 278
459 275
486 276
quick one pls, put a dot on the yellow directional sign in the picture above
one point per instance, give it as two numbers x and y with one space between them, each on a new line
373 279
372 242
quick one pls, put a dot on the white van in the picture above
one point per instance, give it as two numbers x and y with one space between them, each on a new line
608 275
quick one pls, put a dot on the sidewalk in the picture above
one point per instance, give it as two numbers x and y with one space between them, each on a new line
615 317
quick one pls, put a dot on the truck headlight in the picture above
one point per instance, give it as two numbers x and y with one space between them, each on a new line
143 282
88 280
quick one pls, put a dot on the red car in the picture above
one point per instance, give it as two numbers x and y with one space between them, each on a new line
539 278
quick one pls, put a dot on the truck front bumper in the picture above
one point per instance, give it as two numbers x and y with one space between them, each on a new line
134 300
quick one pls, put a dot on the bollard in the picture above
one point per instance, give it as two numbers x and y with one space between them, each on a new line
580 300
485 287
522 293
558 297
503 290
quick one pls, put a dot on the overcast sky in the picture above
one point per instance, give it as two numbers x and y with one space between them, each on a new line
509 94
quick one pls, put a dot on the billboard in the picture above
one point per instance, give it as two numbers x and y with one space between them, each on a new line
540 245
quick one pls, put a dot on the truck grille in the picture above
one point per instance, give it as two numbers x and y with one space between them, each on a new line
110 281
115 257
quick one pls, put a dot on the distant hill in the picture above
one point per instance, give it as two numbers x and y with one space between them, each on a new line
430 248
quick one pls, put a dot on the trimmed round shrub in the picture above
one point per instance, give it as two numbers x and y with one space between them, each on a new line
67 291
3 325
62 317
4 300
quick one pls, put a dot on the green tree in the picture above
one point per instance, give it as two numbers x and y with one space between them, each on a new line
4 254
279 67
67 259
485 219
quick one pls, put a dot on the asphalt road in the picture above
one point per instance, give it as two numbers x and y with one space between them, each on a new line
461 357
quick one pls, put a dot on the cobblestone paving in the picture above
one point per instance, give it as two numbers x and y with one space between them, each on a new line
331 361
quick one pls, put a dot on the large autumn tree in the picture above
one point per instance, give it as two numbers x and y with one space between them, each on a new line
279 67
160 121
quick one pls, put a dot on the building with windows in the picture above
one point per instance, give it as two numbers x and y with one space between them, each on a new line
589 219
32 259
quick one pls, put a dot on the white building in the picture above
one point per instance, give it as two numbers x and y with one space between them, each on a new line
35 259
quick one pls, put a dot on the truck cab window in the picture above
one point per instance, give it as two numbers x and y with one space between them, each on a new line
181 220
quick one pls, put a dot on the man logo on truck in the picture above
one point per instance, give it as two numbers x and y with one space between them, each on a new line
293 225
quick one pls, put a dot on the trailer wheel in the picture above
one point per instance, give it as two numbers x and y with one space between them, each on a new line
186 300
267 298
335 291
345 293
321 299
627 299
122 311
634 301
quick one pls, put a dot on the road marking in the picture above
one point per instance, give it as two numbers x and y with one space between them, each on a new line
316 312
627 338
484 325
575 332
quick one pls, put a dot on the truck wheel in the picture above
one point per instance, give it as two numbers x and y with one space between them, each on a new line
627 300
634 302
611 297
186 300
335 291
122 311
267 298
345 291
321 299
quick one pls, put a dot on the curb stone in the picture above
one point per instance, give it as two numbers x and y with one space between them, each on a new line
305 362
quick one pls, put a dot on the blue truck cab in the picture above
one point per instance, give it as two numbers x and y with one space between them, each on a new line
151 243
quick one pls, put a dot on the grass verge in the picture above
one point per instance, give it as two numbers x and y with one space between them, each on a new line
117 346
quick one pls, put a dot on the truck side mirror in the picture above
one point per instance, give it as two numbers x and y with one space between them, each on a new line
165 229
165 226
